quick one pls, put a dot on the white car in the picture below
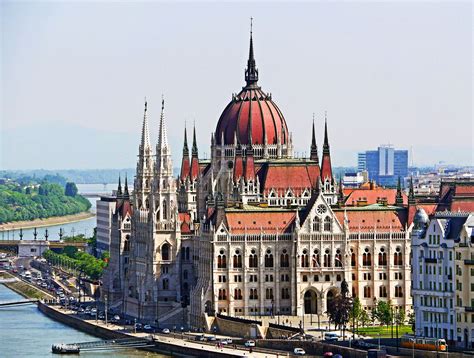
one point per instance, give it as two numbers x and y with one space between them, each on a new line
250 344
165 331
299 351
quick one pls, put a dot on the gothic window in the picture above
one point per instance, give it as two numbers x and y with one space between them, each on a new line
366 258
237 259
185 274
222 294
316 259
327 224
327 258
353 258
269 294
367 293
383 291
316 224
165 210
284 259
237 294
253 294
398 291
187 253
147 203
165 252
253 259
397 257
305 259
338 258
166 284
382 257
126 245
269 259
221 260
146 182
285 293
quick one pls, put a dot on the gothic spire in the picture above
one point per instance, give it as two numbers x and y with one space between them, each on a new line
340 198
119 188
145 142
411 193
195 148
251 73
185 146
314 147
399 196
126 194
326 168
162 136
326 140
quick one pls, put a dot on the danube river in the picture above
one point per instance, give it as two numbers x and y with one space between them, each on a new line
26 332
85 227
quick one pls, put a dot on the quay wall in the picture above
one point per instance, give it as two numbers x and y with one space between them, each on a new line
101 332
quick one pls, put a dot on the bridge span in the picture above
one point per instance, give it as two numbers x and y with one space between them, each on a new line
30 248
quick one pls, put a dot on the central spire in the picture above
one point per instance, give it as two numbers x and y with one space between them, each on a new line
162 136
251 73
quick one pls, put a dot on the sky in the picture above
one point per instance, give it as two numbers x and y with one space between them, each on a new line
74 76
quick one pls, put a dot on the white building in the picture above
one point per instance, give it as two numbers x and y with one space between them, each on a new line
105 209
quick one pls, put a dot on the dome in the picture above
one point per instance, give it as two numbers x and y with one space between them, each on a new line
421 219
251 113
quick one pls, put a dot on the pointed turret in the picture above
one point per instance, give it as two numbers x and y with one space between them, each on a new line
119 189
194 173
249 164
185 166
340 196
145 141
251 73
314 147
399 197
239 164
326 169
126 194
164 166
411 193
162 135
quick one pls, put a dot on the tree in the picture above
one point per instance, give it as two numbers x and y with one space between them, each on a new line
339 308
356 311
364 318
384 313
399 316
71 189
411 320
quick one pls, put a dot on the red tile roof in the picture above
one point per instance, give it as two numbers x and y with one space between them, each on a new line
252 222
376 219
372 196
281 177
185 219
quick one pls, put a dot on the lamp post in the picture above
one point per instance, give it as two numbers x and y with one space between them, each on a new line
413 347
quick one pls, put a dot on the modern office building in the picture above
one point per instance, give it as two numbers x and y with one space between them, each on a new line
105 209
384 165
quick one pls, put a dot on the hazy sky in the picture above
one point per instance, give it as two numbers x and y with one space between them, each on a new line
75 74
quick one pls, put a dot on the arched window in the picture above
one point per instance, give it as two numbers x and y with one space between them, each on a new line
185 274
269 294
237 262
222 294
147 203
305 259
237 294
397 257
165 210
187 253
398 291
221 260
126 244
367 292
316 224
327 224
284 259
353 258
366 258
165 252
383 291
285 293
327 258
183 254
253 259
269 259
316 259
253 294
166 284
382 257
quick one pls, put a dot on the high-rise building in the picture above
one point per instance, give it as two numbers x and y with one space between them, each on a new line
105 210
384 165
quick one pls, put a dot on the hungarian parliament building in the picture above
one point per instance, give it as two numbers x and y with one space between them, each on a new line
253 230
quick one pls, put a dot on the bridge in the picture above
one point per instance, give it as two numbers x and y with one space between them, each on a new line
30 248
17 303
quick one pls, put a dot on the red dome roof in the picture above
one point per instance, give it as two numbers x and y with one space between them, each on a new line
252 112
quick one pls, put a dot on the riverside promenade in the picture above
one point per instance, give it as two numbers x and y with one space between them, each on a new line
164 343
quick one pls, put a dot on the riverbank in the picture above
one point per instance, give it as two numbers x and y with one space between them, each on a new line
55 220
23 288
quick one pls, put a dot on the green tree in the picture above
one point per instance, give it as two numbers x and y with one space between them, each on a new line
384 313
71 189
356 311
339 308
364 318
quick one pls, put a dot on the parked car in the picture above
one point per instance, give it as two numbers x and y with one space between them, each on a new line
147 328
250 344
299 351
211 339
116 318
165 331
331 336
138 326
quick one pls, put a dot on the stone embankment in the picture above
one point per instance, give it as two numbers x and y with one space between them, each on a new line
55 220
24 288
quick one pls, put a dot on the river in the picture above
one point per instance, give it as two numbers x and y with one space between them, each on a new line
85 227
26 332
